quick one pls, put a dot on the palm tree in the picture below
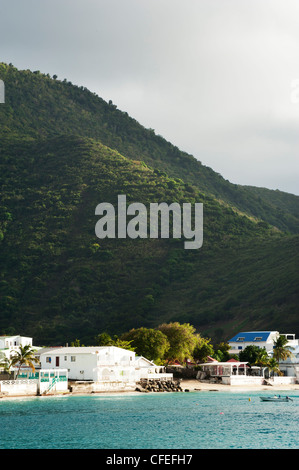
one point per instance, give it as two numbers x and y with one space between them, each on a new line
24 356
280 350
5 363
261 358
274 366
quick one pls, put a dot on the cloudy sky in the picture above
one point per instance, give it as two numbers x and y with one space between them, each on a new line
217 78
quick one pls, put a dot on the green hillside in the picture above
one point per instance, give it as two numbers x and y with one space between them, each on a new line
39 106
59 158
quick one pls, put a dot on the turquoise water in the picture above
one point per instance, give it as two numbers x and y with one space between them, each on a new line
197 420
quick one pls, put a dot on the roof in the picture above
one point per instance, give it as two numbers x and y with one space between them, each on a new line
226 363
144 359
211 359
251 336
9 336
78 350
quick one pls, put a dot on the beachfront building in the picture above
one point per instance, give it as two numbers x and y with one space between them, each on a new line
93 363
232 372
261 339
107 367
290 366
38 382
101 364
148 370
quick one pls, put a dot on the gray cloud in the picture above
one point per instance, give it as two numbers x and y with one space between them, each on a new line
212 76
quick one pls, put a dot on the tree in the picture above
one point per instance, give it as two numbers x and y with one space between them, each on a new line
25 356
104 339
262 358
148 342
222 352
119 343
181 339
5 363
76 343
280 349
274 366
250 354
202 349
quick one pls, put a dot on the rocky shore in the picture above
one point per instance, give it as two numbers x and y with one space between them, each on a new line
159 386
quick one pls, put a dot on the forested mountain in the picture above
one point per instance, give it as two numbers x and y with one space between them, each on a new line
63 150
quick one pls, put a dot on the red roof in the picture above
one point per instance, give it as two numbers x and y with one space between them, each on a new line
211 359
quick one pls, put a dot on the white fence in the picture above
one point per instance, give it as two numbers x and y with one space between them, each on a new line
252 380
282 380
29 383
19 387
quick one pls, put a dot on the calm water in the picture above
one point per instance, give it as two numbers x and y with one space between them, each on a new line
199 420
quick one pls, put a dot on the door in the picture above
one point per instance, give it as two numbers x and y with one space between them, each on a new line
57 361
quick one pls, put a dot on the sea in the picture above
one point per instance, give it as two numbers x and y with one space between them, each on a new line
194 420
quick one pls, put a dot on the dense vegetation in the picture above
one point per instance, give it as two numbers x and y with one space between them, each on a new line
63 150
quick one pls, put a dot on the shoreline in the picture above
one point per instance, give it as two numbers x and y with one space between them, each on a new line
196 385
189 385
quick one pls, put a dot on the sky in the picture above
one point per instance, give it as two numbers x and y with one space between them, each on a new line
217 78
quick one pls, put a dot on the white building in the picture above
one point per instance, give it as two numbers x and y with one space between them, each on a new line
290 366
94 363
266 339
108 367
146 369
261 339
39 382
10 344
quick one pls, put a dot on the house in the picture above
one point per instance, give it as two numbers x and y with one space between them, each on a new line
290 366
148 370
261 339
93 363
107 367
231 372
10 344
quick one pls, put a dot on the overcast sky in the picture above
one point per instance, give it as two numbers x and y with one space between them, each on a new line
217 78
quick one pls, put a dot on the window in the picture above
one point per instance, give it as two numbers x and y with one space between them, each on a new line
240 347
241 338
73 358
65 358
258 338
48 359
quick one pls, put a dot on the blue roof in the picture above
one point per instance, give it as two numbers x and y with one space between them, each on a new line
251 336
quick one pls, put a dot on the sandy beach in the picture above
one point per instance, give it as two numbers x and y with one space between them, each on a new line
196 385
